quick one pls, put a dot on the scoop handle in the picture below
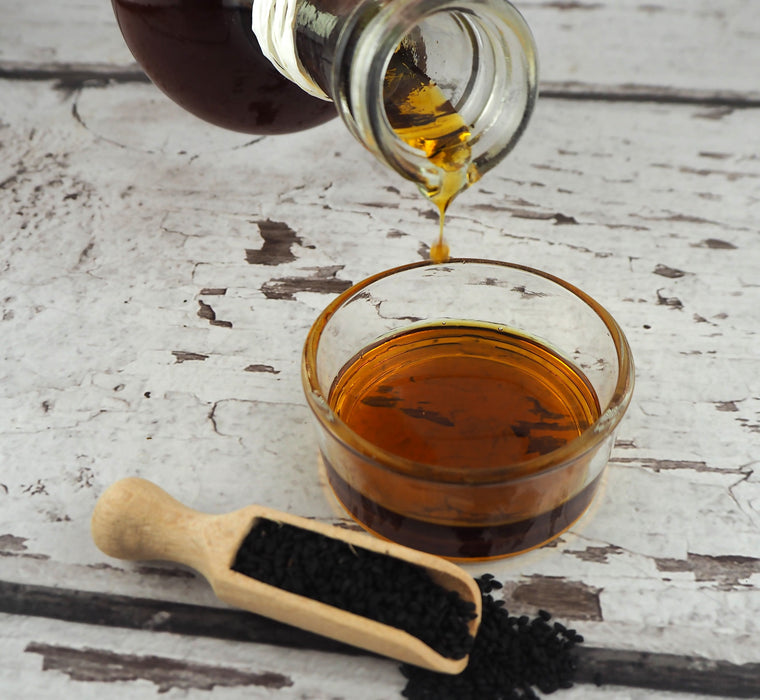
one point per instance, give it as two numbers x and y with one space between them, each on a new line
135 519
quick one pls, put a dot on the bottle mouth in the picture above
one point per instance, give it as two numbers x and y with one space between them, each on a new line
437 86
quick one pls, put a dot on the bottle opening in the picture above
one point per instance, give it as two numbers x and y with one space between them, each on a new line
442 89
421 93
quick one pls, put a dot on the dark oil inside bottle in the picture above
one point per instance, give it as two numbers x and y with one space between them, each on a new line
204 55
465 397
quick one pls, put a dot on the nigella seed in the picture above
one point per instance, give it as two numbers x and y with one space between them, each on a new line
509 658
357 580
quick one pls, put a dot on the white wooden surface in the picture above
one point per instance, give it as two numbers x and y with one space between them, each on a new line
147 329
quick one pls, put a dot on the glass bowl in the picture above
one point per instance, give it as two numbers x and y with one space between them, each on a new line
468 408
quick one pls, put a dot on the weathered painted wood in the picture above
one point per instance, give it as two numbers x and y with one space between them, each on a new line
600 667
158 276
688 46
53 660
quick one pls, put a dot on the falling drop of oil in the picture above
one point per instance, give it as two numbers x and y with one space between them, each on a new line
422 115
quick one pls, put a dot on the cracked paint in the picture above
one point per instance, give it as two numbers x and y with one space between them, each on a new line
277 249
565 598
101 666
322 281
726 571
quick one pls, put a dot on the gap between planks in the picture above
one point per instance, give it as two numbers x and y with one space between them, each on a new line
76 75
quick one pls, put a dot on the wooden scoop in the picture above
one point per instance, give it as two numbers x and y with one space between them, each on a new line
135 519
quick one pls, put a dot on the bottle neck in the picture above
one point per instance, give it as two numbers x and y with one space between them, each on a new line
320 27
440 90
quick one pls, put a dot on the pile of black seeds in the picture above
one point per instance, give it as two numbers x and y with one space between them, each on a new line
360 581
510 658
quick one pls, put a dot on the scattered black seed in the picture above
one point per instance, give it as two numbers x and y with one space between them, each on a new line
511 658
363 582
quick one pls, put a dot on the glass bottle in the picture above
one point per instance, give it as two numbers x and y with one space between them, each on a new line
203 54
439 90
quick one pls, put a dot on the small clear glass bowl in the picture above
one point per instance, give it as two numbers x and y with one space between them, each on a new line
475 508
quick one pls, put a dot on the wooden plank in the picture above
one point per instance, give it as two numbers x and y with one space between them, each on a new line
684 44
45 658
48 659
601 667
82 31
693 46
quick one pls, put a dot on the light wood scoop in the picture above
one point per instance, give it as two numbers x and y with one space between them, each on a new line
135 519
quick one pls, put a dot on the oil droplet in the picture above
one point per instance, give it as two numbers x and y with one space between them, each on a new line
439 252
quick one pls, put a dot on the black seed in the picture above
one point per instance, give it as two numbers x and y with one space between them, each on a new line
509 658
360 581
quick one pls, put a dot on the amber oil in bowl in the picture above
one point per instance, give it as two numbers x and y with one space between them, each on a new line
466 409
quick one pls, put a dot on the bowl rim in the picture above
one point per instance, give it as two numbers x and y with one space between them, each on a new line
542 465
